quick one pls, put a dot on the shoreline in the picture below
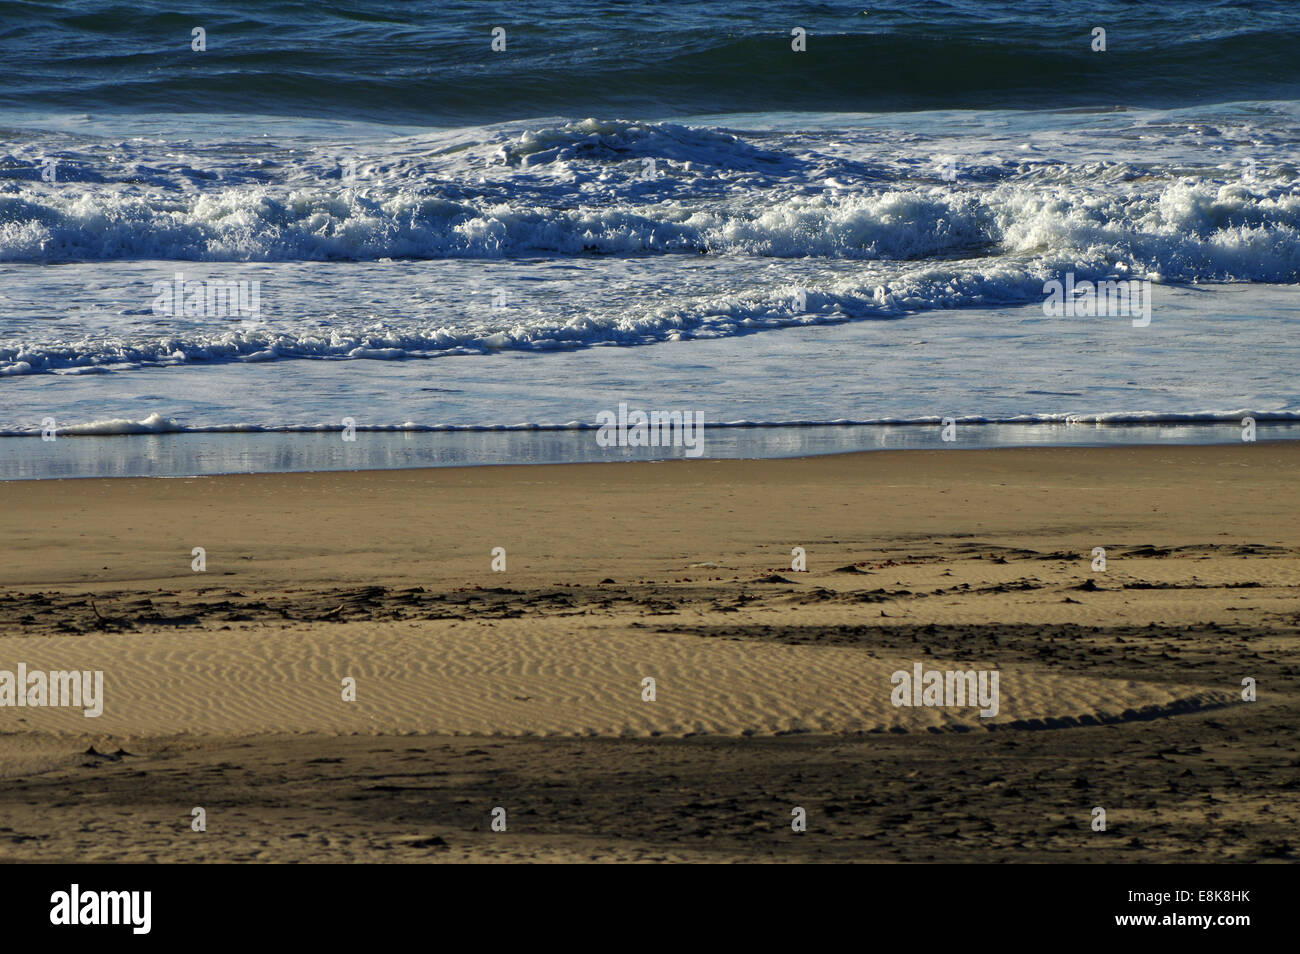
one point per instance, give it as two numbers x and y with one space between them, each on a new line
227 453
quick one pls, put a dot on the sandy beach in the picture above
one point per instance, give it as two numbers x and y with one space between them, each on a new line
524 688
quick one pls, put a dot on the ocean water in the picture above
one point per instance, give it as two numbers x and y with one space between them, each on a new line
363 211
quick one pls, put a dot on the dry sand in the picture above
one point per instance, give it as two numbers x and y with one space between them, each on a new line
523 689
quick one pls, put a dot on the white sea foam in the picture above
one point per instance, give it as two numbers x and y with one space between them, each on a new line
621 188
619 233
1183 232
457 324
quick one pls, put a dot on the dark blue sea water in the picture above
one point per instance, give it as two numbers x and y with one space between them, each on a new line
431 63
